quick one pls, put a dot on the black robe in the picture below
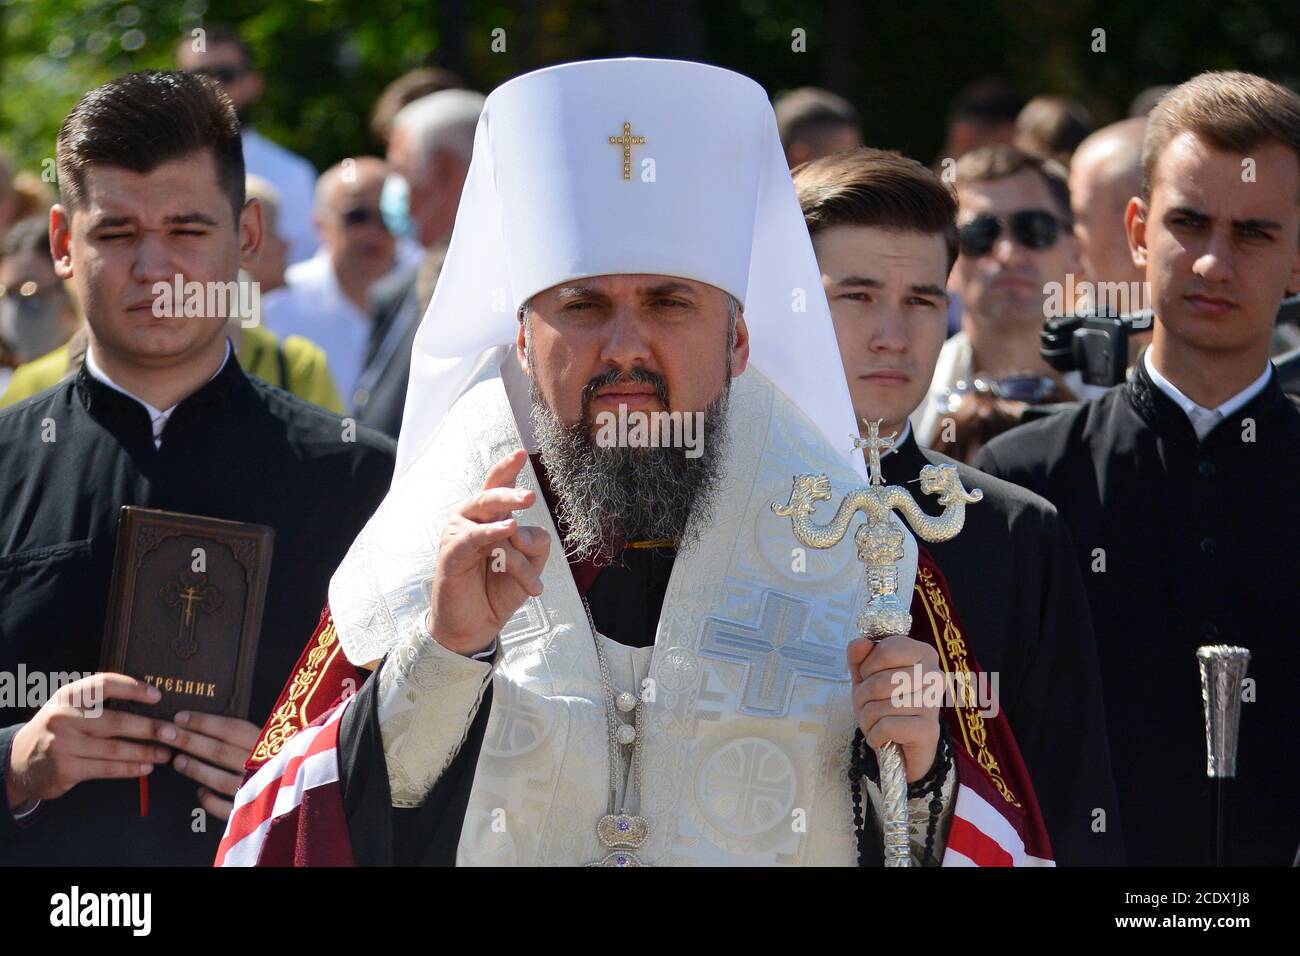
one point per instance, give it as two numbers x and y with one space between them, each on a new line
237 449
1288 371
1017 591
1199 542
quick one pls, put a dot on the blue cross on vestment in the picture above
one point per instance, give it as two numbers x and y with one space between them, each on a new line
775 650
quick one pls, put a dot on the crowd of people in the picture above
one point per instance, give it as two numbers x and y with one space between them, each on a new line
1122 525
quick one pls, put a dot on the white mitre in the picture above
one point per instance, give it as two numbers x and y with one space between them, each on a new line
604 167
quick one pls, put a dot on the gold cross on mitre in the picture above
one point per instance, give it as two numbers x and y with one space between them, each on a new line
627 141
874 445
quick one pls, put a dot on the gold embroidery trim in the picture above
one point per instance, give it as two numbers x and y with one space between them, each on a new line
654 543
953 658
291 716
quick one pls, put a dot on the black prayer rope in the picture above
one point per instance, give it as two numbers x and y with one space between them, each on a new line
862 763
932 783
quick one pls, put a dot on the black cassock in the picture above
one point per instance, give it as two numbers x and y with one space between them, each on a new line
1199 543
237 449
1017 590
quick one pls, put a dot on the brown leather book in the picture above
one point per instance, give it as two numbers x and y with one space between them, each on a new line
185 609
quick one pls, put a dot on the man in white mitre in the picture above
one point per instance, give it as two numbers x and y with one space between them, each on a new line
549 647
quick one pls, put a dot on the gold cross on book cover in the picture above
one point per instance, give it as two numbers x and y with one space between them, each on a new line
185 609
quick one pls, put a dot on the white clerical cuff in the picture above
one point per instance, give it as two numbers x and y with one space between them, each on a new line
428 698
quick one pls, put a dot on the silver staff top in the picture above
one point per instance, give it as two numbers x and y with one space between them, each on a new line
1223 669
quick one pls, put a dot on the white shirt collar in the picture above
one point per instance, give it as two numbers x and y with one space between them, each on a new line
157 417
1204 419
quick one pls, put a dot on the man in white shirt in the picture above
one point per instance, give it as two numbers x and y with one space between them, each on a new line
219 52
1015 241
1179 486
327 298
429 154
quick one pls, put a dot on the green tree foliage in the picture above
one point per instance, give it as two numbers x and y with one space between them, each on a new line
326 62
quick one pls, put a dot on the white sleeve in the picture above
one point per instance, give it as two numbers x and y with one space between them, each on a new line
428 698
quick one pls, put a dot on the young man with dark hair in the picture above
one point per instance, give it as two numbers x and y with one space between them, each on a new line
814 122
1179 486
884 231
161 415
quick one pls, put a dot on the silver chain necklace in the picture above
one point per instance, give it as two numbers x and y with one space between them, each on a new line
620 831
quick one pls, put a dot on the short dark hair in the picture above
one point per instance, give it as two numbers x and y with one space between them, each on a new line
1052 126
1230 110
998 161
142 120
875 187
809 113
989 102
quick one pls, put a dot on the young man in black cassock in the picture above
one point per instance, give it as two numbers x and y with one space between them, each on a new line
1179 486
884 230
161 415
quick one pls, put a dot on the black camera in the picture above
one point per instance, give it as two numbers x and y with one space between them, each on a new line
1097 345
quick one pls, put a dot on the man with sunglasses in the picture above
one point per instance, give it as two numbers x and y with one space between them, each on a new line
884 233
1179 486
328 298
1014 231
218 51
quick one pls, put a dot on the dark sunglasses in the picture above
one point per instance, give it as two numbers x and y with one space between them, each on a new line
1032 228
360 216
225 75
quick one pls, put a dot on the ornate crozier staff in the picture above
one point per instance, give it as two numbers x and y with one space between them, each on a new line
1223 668
880 548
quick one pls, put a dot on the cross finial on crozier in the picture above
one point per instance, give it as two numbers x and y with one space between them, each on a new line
875 445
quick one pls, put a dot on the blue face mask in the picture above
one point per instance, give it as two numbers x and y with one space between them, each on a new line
395 205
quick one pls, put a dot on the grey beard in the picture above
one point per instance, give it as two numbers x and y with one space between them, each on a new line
606 497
